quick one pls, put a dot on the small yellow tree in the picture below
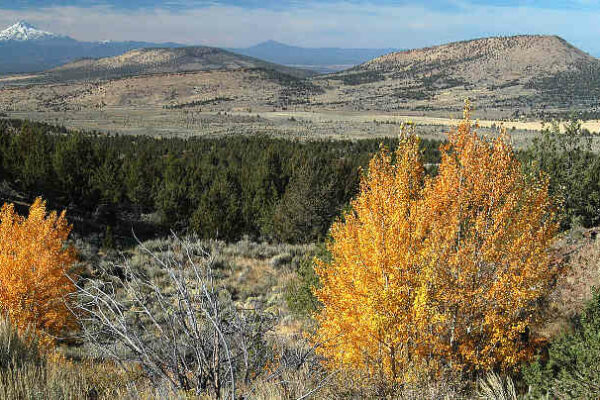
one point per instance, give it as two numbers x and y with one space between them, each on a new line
34 261
443 271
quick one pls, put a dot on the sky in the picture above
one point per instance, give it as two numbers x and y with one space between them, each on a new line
325 23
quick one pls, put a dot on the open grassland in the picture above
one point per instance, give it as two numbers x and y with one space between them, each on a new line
242 102
324 124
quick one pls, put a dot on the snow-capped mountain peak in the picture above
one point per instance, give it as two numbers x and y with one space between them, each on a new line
23 31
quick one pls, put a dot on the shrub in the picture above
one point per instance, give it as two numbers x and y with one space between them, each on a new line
34 262
280 260
434 272
174 318
299 294
493 387
61 380
573 169
29 371
295 372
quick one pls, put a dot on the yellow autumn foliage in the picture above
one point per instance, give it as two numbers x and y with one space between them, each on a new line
438 272
34 261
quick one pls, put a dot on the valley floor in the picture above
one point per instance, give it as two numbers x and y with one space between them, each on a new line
322 124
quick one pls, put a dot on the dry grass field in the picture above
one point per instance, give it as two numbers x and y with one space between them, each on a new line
215 122
298 125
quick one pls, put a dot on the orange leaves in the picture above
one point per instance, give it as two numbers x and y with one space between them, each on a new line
445 270
33 266
368 288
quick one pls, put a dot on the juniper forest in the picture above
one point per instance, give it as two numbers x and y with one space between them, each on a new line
320 200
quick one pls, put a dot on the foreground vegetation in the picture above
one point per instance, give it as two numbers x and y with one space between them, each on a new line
429 273
468 278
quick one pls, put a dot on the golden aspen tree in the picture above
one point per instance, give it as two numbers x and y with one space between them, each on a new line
444 271
34 261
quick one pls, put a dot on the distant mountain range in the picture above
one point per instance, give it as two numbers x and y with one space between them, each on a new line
24 32
25 48
506 77
325 59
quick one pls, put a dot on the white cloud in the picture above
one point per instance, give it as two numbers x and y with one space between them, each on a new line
341 24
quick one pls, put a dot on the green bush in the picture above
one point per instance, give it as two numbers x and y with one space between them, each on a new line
574 172
299 294
572 370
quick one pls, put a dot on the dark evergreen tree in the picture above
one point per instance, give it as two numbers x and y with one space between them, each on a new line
219 213
172 199
574 169
74 162
307 207
259 186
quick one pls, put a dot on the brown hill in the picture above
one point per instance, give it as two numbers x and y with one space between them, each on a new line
513 72
218 90
490 60
163 60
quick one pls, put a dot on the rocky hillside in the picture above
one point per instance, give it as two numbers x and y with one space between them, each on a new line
490 60
497 72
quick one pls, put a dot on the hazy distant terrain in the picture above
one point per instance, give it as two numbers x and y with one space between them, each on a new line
325 59
162 61
24 48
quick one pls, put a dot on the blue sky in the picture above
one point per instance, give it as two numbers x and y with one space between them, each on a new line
324 23
286 4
